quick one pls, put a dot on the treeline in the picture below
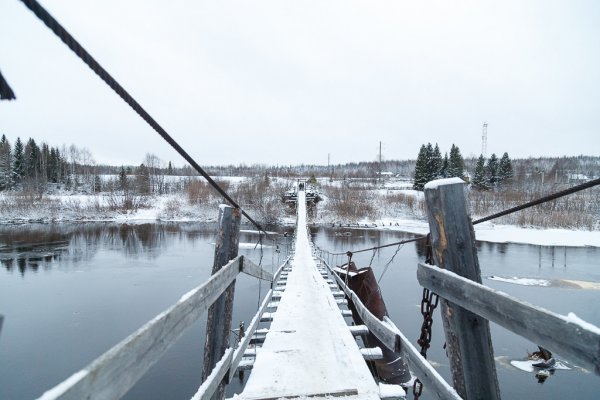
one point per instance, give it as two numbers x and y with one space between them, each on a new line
33 164
430 165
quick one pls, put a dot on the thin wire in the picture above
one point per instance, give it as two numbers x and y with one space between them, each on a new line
387 265
373 257
70 41
382 246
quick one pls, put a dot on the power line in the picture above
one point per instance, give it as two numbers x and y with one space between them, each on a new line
78 49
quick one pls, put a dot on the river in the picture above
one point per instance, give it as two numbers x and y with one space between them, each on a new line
69 292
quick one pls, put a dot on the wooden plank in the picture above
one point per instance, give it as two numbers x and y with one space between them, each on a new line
210 386
218 322
251 329
543 327
111 375
468 338
248 267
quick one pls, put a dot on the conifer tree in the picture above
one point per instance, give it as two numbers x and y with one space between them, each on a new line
445 165
479 179
18 167
5 164
505 170
436 163
32 159
421 175
456 164
492 170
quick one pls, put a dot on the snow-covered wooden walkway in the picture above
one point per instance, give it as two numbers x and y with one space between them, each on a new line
309 350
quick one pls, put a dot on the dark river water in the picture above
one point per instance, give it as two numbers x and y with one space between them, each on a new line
69 292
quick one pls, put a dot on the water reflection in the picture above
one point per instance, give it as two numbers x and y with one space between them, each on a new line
34 246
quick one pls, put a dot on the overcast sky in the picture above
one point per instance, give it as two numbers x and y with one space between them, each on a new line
287 82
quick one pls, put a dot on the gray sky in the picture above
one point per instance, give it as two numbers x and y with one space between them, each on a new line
287 82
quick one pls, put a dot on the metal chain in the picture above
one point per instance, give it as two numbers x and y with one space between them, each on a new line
429 302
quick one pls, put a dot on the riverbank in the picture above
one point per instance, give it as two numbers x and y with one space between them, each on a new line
175 208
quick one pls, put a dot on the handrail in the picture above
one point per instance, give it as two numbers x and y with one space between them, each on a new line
227 366
541 326
112 374
389 334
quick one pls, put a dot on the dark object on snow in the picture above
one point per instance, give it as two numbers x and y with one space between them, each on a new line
6 92
542 354
391 368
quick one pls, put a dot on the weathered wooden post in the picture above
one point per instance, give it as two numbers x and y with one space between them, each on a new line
468 339
218 324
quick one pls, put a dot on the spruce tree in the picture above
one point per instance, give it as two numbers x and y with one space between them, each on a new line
32 159
479 179
18 167
421 169
492 170
505 170
5 164
456 164
445 165
436 163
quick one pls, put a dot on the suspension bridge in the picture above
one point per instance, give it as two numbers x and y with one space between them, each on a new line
308 348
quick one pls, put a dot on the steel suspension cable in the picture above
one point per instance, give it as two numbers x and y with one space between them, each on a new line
541 200
78 49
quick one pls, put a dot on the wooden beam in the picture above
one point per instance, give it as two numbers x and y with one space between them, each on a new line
468 338
213 381
112 374
218 323
248 267
534 323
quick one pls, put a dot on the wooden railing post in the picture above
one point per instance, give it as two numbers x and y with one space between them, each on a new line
218 325
468 339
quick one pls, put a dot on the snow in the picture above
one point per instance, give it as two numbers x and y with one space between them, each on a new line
527 365
522 281
309 349
256 232
574 319
488 232
62 387
439 182
188 295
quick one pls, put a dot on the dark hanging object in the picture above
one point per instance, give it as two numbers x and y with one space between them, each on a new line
391 369
6 92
